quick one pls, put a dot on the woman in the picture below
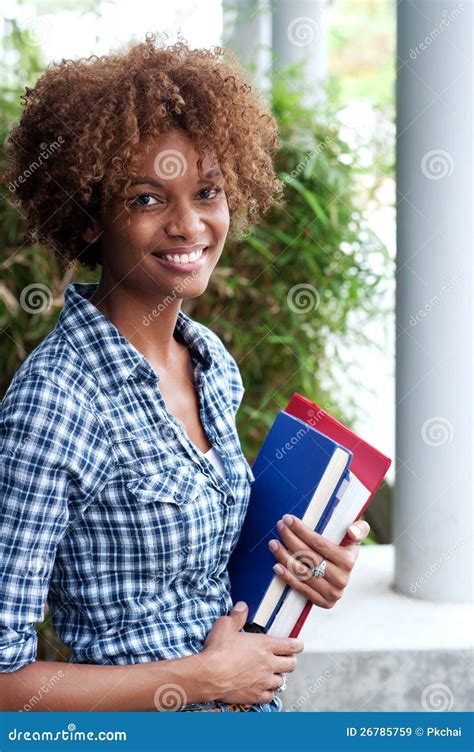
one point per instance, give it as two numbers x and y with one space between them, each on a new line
124 483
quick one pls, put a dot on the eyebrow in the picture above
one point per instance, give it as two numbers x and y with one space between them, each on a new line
145 179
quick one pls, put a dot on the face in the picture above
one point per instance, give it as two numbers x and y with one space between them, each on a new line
174 233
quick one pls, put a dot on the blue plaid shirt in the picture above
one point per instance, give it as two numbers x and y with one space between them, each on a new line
107 510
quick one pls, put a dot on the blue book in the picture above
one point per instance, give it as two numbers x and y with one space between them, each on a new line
299 471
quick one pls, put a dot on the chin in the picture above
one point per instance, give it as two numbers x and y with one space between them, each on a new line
187 293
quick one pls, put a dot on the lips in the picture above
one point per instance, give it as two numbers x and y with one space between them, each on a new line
178 265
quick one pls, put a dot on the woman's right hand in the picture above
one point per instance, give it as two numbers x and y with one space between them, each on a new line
243 667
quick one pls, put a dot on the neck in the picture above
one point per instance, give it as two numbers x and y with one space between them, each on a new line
147 323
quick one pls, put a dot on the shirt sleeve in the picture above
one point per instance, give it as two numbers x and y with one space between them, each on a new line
48 440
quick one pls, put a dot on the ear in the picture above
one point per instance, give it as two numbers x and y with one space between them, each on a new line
93 232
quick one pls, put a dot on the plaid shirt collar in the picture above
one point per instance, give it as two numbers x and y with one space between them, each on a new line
105 351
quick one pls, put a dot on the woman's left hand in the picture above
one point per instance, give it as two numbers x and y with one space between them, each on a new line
302 549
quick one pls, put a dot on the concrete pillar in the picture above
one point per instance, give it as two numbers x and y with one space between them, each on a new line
433 519
299 36
247 31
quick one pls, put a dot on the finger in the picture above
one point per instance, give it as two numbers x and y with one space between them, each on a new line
239 614
278 681
326 548
358 531
284 645
337 576
285 665
235 618
302 587
301 563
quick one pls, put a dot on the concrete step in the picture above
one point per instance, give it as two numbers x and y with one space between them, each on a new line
379 650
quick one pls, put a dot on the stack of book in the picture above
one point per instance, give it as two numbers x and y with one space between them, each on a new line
314 467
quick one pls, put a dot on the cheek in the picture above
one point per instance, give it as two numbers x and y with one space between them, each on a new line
129 232
220 220
125 243
141 230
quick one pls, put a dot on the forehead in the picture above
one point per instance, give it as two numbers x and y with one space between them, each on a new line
172 156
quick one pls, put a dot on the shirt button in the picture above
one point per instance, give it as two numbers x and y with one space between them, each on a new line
178 496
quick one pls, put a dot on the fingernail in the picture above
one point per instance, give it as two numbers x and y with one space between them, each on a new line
355 530
240 606
278 568
280 525
273 545
288 519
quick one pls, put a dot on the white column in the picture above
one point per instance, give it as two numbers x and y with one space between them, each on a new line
433 518
299 36
247 31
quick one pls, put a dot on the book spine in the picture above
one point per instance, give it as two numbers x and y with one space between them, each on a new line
338 494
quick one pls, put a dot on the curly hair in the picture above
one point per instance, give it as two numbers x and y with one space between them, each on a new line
76 144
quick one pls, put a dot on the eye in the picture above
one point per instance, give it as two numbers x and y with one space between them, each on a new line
146 199
139 200
216 188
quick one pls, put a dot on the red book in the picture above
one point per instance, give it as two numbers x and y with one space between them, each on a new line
368 464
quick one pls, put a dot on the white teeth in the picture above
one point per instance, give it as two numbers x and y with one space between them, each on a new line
184 258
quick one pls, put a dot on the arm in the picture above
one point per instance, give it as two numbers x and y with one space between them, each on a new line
39 454
234 666
156 686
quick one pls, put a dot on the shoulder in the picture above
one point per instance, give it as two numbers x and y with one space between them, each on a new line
45 414
55 361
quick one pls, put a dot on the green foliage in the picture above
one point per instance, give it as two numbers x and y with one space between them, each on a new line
282 297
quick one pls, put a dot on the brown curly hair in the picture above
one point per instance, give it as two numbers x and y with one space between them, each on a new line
75 147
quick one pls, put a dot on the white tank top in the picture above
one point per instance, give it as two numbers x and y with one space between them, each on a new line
216 460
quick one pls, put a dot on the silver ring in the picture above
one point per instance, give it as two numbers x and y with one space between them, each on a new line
282 686
320 570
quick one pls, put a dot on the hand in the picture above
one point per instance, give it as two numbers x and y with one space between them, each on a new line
304 549
243 667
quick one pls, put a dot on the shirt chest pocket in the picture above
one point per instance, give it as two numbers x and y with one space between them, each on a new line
171 523
142 452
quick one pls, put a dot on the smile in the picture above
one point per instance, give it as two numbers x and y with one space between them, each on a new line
182 261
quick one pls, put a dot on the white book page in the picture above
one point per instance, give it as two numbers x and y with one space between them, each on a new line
352 501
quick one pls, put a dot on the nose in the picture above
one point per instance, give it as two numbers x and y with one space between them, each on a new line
185 222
